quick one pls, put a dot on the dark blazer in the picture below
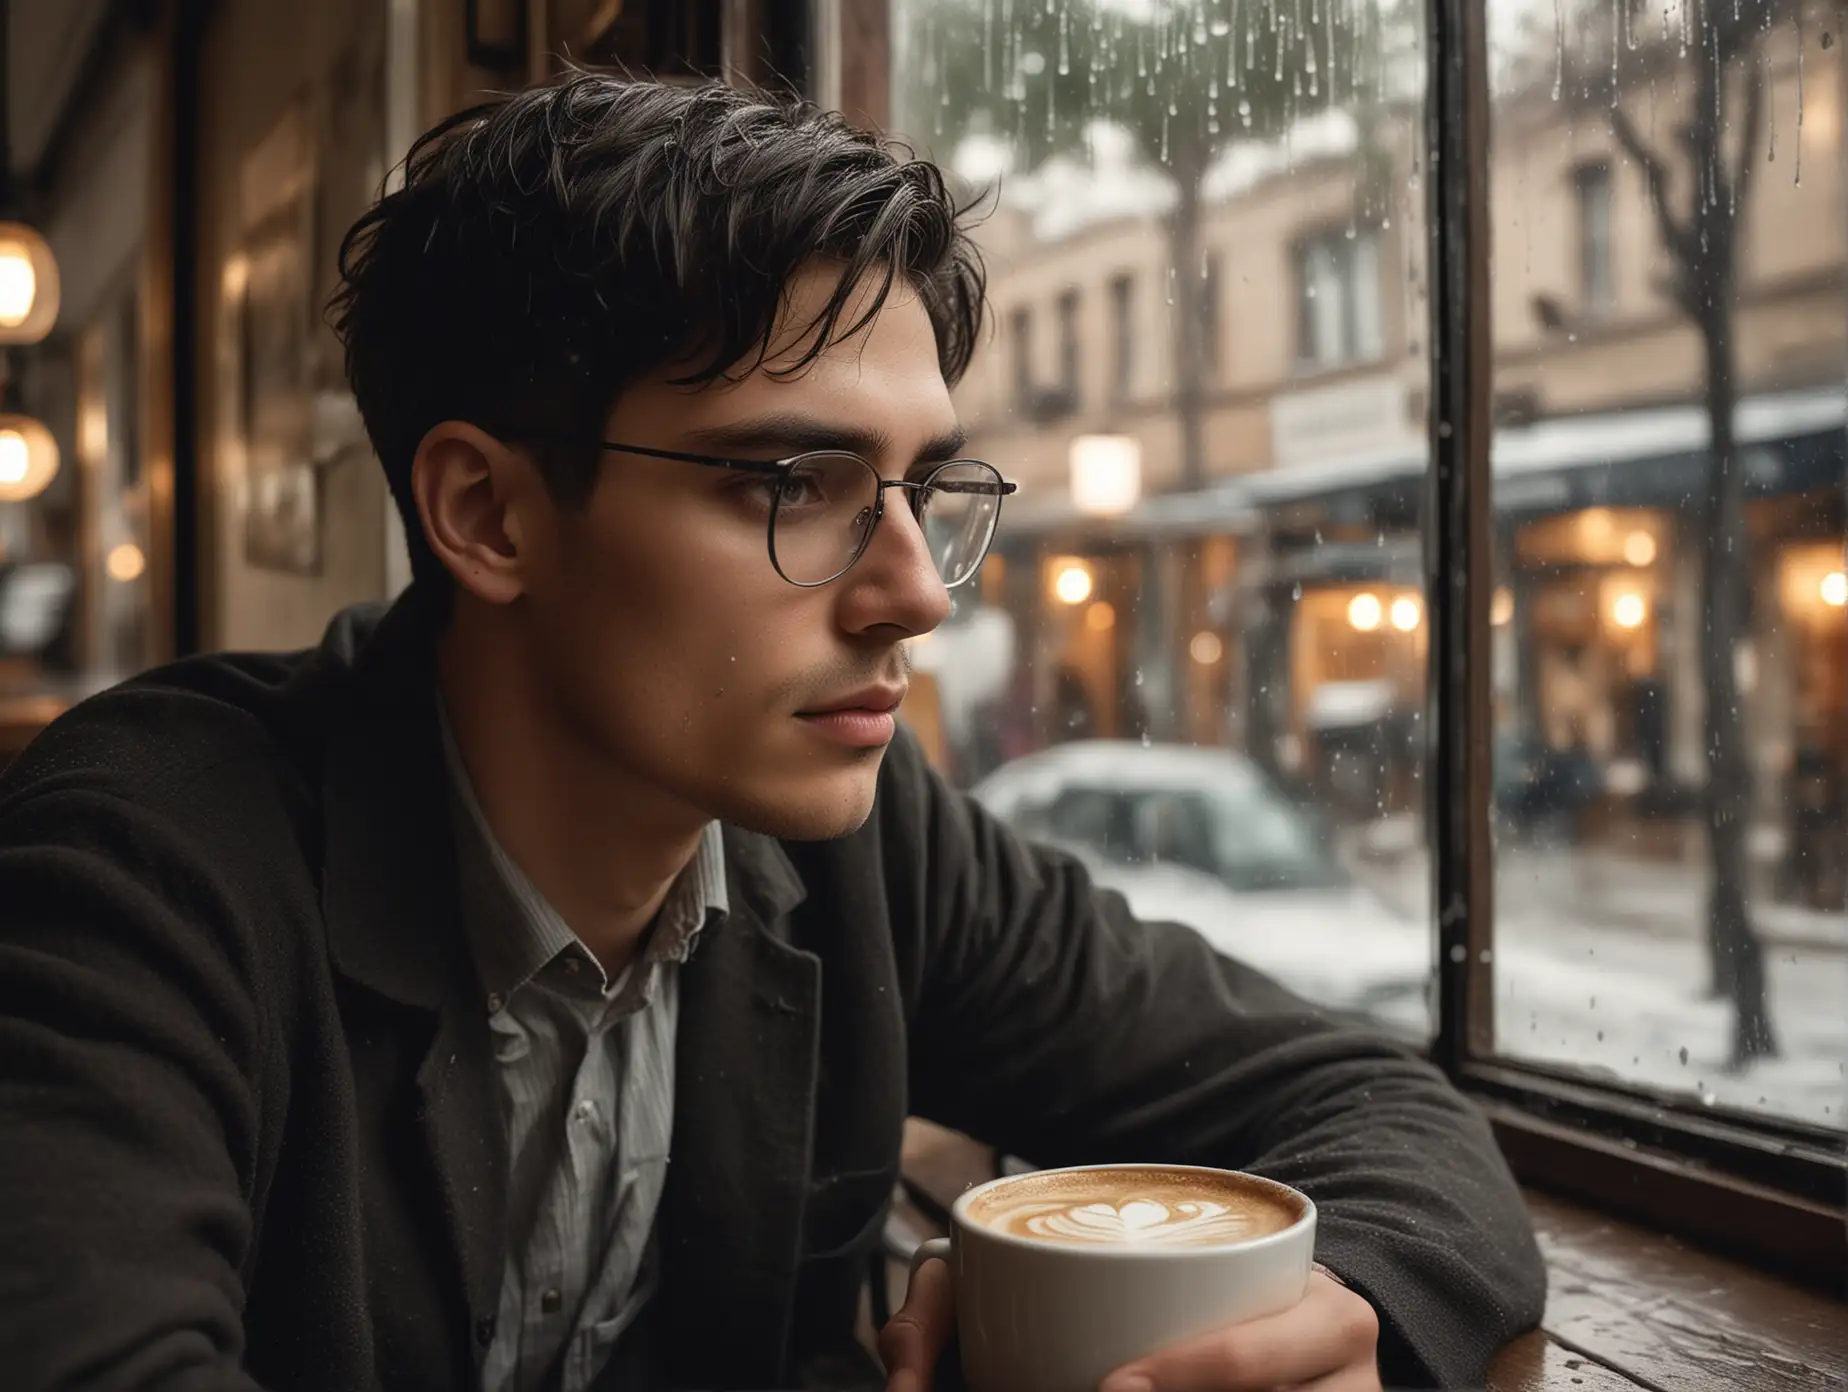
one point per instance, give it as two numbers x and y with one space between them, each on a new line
249 1133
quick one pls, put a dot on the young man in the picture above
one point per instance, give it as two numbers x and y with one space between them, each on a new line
526 988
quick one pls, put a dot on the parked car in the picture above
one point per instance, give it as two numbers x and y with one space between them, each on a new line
1203 837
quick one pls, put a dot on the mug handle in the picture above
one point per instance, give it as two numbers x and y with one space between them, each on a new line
936 1247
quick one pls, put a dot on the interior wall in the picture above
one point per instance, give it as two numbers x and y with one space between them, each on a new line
261 59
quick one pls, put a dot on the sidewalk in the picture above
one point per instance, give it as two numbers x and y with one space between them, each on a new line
1592 885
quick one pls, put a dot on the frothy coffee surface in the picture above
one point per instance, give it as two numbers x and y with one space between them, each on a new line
1142 1207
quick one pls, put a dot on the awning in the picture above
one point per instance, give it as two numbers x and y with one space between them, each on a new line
1655 456
1792 442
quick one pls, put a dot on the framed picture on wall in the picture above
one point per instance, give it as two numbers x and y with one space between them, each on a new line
275 328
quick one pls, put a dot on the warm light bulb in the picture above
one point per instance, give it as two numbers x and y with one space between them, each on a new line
13 457
28 284
1100 617
1639 548
1206 649
1072 583
1405 613
125 562
1364 611
18 284
1835 589
1629 610
28 458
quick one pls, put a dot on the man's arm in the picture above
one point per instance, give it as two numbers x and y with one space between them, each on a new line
127 1117
1046 1019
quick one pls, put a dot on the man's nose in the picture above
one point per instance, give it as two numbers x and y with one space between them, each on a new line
896 583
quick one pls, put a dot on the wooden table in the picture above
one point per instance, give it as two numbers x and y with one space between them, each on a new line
1627 1309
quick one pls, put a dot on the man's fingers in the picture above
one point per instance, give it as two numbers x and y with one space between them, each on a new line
1331 1333
914 1338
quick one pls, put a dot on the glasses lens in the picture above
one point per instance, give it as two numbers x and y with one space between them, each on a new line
958 511
823 513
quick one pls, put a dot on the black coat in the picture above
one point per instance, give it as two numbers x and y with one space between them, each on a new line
249 1133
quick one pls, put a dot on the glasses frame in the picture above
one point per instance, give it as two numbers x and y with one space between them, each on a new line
782 468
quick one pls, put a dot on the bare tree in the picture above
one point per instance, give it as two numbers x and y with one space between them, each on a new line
1700 234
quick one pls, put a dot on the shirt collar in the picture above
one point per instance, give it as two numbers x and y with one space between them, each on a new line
514 933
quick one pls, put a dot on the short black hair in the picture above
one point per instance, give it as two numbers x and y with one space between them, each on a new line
549 246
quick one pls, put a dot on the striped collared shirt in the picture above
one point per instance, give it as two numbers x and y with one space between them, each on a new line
586 1067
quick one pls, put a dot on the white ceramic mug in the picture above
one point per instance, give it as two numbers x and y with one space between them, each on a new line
1039 1316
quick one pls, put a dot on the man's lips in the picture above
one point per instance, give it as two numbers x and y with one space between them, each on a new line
864 720
877 700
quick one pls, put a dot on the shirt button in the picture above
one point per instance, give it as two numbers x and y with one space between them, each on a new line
552 1301
495 1002
484 1330
587 1111
573 966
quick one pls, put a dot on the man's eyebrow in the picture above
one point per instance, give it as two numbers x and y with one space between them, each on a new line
785 433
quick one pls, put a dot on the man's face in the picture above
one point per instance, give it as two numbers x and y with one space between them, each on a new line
663 633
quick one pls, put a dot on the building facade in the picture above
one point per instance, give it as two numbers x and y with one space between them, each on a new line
1276 605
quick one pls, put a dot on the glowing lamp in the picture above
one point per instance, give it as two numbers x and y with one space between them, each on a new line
1106 474
28 458
28 285
1071 582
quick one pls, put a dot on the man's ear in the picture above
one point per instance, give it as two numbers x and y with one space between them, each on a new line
472 493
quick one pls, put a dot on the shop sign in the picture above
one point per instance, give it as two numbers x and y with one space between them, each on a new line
1321 424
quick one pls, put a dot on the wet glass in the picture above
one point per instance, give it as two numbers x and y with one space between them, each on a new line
1670 673
1195 657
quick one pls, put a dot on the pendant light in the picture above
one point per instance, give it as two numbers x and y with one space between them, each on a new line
28 309
28 270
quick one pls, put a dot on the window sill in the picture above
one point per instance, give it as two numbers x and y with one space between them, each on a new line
1628 1308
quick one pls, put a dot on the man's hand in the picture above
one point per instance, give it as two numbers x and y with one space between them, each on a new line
914 1338
1327 1342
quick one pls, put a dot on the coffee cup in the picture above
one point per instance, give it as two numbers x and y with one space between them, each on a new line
1063 1276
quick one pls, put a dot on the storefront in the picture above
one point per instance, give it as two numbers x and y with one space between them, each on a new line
1597 620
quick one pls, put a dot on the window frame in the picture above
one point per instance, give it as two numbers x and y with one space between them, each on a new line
1760 1188
1744 1185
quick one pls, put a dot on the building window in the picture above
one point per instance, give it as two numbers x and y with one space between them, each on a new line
1122 336
1597 280
1338 298
1209 313
1020 335
1068 345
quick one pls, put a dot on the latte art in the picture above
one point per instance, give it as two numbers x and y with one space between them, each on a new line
1134 1206
1188 1222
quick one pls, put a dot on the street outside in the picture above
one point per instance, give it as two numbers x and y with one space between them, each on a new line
1599 963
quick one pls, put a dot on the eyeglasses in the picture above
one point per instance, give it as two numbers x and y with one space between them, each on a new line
824 506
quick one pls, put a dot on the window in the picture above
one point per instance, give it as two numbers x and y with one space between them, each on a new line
1209 313
1283 750
1020 342
1068 345
1122 337
1597 283
1671 757
1338 299
1628 601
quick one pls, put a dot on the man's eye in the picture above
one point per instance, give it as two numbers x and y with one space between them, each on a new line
799 490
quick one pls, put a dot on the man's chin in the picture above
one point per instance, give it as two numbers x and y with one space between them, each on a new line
809 807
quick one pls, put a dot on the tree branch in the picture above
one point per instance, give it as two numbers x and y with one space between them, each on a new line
1675 237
